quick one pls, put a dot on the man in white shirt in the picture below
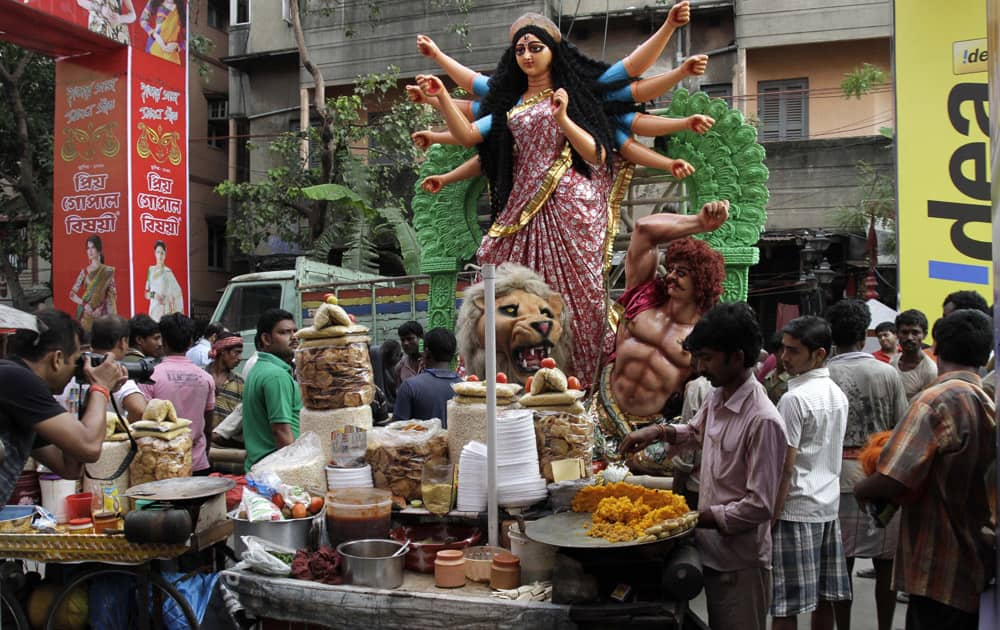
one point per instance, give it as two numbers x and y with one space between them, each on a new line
109 333
198 353
808 555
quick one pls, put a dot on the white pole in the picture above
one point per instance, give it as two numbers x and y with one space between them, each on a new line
492 512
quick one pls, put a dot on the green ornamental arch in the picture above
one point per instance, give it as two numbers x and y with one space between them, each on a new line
728 161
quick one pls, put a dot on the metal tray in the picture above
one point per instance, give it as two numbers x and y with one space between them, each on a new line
180 488
567 529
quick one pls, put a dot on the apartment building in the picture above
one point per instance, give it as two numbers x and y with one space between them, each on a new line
208 152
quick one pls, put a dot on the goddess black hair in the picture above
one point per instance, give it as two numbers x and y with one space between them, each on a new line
571 70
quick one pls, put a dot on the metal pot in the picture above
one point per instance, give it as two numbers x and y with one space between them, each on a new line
291 534
368 562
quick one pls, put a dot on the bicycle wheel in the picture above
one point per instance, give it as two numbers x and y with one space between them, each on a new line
155 580
11 614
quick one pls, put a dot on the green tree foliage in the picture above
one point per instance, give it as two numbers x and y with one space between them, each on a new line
877 206
372 171
27 89
862 80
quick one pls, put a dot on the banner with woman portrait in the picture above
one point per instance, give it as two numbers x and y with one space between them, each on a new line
90 235
159 159
120 232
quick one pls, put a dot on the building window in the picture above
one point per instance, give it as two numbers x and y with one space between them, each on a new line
216 244
783 109
218 14
218 122
719 90
239 11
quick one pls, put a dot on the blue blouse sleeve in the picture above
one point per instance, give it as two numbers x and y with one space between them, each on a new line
620 138
614 74
624 121
622 94
484 125
481 85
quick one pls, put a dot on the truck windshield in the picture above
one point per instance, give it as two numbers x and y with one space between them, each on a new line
246 303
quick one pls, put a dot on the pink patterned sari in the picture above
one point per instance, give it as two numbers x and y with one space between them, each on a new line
560 224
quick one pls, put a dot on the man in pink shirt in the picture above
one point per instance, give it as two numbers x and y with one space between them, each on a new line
190 388
743 446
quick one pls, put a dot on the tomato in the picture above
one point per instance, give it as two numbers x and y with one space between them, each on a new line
315 505
548 362
299 510
501 377
472 378
573 382
278 500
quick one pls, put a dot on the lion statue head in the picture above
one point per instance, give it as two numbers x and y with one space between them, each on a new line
532 323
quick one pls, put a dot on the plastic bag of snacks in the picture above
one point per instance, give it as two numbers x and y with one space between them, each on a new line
161 459
254 507
563 435
301 463
397 453
334 376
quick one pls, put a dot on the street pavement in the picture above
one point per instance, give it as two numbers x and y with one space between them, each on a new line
862 611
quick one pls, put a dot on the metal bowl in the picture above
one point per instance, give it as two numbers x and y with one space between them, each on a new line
367 562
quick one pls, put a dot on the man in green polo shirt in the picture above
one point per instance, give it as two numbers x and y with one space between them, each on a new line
271 399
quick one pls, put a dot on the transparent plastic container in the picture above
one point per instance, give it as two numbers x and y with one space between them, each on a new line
357 513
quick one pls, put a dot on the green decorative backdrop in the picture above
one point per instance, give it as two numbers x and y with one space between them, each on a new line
728 161
729 164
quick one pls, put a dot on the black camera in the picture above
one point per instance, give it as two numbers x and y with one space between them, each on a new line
140 372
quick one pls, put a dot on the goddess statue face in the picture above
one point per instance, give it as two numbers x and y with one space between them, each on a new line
533 57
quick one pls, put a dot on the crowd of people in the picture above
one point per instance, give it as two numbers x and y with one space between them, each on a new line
195 365
786 505
785 502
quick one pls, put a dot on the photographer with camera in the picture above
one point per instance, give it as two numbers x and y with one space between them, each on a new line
109 336
32 423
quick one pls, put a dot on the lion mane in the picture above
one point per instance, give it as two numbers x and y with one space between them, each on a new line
511 280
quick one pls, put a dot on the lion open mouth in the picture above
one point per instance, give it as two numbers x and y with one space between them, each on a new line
529 358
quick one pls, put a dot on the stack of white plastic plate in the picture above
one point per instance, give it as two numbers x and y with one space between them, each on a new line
472 478
349 477
519 482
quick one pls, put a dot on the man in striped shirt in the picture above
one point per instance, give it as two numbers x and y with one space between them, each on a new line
939 465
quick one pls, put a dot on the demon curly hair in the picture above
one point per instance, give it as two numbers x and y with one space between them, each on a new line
571 70
707 269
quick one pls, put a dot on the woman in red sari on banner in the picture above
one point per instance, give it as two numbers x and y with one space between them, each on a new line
551 142
94 291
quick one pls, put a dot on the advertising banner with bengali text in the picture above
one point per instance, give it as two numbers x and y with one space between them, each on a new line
942 140
159 172
90 231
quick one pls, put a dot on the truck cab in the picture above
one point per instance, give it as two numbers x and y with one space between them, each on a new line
247 296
